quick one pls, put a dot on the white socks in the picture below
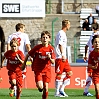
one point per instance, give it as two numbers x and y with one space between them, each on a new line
57 86
15 90
66 82
88 82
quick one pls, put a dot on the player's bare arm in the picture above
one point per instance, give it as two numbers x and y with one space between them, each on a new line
28 48
8 46
2 62
61 50
93 67
19 58
24 63
86 49
52 60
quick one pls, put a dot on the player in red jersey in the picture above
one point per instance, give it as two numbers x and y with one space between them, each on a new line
15 58
93 63
88 49
43 56
24 44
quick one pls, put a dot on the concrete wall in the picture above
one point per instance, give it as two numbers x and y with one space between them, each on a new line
34 26
71 5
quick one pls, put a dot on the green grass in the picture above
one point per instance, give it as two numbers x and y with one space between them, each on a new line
35 94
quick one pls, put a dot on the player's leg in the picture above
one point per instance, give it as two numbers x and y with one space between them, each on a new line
59 66
97 90
23 76
58 83
18 92
12 81
46 79
39 85
66 80
19 81
88 83
39 81
45 91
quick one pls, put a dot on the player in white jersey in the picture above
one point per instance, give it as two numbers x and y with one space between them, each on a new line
61 38
23 39
89 79
62 67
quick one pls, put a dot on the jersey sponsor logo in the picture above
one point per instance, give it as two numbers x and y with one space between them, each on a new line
42 57
13 62
10 7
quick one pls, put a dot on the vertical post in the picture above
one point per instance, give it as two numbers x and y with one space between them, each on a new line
69 54
62 10
75 50
81 3
53 21
49 6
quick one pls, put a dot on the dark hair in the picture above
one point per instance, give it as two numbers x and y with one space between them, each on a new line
47 33
95 36
18 26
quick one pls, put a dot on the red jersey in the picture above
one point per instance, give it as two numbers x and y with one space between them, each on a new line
40 60
12 62
93 58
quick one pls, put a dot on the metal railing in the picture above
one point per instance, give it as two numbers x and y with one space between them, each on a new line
77 54
48 8
53 21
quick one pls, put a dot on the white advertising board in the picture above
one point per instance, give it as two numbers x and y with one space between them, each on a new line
22 8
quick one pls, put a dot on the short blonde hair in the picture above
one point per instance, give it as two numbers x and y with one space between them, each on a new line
14 40
65 22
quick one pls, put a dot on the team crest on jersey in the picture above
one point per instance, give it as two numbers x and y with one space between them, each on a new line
47 53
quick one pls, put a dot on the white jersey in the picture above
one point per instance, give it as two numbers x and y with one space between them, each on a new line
22 38
61 39
89 43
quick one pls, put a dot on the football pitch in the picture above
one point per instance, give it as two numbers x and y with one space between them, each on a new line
35 94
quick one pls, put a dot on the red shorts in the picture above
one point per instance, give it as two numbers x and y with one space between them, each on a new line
16 75
95 78
43 76
61 66
89 70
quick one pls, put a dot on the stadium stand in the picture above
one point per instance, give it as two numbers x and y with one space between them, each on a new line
82 21
85 12
84 37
